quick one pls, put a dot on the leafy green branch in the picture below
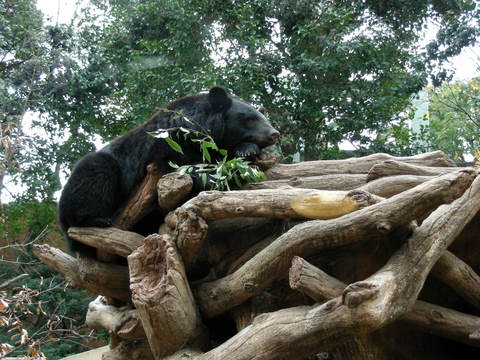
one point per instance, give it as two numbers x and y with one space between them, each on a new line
218 174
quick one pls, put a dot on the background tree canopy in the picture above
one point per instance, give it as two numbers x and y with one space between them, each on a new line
326 71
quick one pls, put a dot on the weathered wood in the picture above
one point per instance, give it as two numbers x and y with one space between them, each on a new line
122 322
273 262
266 160
233 263
392 167
190 234
109 280
364 306
288 203
360 165
129 350
459 276
104 279
313 282
431 318
142 202
322 182
445 322
162 296
110 240
229 237
172 189
392 185
191 227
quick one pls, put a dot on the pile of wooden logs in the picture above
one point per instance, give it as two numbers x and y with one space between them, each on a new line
324 260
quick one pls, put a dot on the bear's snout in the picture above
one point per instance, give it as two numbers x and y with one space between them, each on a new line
273 136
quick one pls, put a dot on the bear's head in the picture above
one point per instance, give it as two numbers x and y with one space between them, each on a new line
243 124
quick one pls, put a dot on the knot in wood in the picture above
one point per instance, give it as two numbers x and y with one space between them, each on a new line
212 294
250 286
436 317
357 293
384 226
331 304
239 210
295 181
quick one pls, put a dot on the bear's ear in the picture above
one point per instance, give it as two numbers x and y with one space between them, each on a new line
219 99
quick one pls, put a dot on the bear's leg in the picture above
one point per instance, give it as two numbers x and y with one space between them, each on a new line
92 193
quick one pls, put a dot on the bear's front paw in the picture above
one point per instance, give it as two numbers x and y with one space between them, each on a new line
246 150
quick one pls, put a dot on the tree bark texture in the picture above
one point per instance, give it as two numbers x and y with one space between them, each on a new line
162 296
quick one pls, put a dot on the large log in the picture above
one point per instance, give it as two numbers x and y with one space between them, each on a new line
162 296
459 276
431 318
172 189
103 279
359 165
110 240
289 203
142 202
392 185
321 182
392 167
273 262
364 306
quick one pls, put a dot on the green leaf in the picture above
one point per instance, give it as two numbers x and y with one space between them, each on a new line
174 145
205 153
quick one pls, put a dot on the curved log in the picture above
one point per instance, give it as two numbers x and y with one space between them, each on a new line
142 202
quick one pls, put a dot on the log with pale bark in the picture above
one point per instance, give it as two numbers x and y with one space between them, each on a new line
225 278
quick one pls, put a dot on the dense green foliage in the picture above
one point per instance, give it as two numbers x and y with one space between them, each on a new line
325 71
455 118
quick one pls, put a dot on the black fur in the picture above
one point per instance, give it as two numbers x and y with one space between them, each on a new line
102 181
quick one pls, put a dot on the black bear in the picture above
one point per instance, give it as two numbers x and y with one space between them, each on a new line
103 180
